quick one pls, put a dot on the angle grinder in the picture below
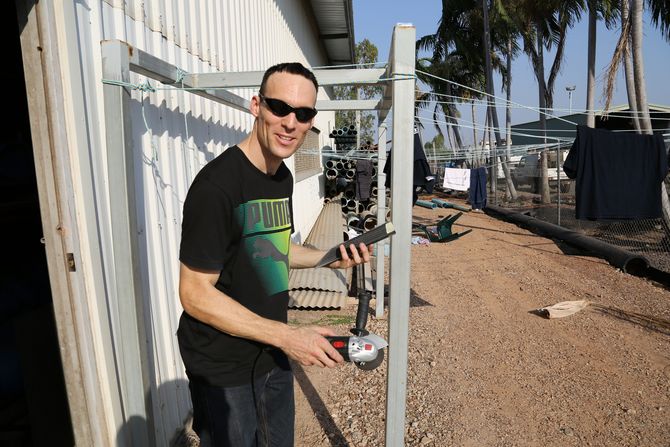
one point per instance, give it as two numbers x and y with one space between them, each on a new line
364 349
366 352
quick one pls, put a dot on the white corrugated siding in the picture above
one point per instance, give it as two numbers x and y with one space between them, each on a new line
183 132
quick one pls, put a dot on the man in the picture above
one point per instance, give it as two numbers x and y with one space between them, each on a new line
233 283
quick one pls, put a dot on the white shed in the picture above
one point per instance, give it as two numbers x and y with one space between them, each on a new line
123 375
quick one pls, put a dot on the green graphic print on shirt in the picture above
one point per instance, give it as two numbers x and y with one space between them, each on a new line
266 231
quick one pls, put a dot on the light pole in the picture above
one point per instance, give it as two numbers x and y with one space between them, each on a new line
570 89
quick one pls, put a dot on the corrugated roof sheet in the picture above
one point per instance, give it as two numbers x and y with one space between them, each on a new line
329 227
335 20
314 299
321 288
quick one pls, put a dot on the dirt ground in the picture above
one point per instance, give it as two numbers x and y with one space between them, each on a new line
484 370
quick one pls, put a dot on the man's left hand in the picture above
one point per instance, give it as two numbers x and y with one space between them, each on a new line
359 255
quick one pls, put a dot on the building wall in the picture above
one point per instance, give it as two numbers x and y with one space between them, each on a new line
174 133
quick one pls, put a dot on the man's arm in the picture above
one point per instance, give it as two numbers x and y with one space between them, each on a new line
204 302
301 257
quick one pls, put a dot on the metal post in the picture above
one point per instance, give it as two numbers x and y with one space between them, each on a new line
381 217
495 173
402 65
558 183
125 296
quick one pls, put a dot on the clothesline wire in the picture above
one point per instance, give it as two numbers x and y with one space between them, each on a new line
146 88
364 64
601 112
515 130
453 154
505 101
477 127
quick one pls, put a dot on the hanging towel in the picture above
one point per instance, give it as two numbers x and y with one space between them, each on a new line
477 195
363 179
618 176
456 179
422 179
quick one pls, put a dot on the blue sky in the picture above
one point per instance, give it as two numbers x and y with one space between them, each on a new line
374 20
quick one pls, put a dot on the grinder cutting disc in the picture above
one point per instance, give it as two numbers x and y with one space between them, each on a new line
372 364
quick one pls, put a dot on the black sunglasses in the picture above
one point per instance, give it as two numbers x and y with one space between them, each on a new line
280 108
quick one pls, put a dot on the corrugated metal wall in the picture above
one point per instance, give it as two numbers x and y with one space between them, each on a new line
175 133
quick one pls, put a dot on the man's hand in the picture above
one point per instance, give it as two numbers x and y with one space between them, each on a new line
307 346
358 256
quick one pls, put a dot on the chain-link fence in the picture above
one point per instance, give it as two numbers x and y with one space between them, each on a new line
647 237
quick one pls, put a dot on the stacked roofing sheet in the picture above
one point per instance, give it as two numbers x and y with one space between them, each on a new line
321 288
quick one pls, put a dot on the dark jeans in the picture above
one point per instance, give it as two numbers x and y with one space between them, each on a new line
243 417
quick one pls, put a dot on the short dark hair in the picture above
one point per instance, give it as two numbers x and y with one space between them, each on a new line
295 68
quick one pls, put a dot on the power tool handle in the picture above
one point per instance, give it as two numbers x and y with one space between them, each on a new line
341 344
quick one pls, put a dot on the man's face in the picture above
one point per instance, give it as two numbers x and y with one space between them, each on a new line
280 136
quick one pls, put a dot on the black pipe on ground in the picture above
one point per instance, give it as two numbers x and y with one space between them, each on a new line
628 262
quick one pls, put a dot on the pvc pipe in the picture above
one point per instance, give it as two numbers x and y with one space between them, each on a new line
426 204
330 164
331 174
445 204
349 193
369 222
353 220
631 263
351 173
373 191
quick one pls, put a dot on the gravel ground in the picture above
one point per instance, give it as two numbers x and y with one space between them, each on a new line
484 370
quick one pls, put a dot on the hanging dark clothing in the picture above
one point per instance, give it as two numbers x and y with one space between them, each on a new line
423 179
618 176
363 179
477 193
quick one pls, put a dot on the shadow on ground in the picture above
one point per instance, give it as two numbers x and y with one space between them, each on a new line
323 416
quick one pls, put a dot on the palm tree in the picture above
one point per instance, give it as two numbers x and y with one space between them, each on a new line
637 6
458 49
492 105
607 10
622 53
660 15
591 66
628 65
453 67
543 25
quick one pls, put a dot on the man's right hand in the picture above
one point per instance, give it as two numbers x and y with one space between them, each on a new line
307 346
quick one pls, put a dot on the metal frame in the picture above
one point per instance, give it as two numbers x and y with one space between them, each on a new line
126 304
72 309
402 60
133 346
381 217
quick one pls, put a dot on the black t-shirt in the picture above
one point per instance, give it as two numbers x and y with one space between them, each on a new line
237 220
618 175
